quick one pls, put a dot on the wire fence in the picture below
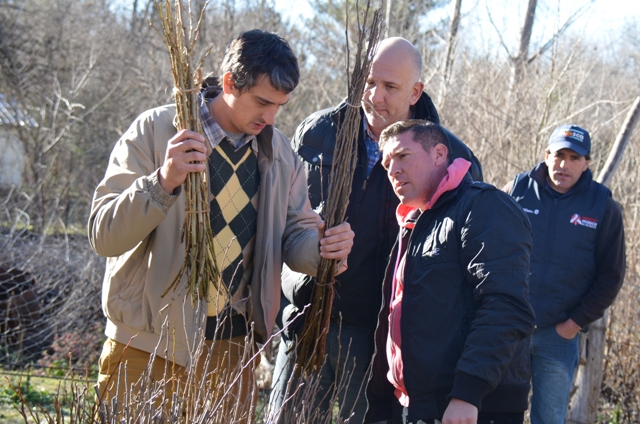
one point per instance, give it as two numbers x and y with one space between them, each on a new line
50 310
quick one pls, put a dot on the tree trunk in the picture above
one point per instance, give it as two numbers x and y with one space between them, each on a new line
134 16
620 144
448 57
519 61
583 407
387 18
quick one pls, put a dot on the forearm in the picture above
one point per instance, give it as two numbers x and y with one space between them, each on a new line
610 258
121 220
302 251
595 302
301 247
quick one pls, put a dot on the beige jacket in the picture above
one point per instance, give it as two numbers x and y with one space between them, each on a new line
136 225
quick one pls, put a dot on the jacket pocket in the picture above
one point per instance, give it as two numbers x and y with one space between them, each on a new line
126 285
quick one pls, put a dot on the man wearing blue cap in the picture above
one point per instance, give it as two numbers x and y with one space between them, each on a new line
577 262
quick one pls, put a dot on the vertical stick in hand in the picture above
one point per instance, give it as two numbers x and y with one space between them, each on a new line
311 345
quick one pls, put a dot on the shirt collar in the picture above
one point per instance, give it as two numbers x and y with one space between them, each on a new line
367 132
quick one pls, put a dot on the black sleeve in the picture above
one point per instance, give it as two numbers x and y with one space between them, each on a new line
610 268
314 141
495 250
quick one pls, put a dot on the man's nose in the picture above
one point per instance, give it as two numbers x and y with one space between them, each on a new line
375 95
270 115
393 169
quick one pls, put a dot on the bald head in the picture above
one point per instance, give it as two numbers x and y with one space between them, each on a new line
402 53
393 85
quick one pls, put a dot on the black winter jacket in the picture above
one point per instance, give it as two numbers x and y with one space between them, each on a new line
371 214
466 314
578 258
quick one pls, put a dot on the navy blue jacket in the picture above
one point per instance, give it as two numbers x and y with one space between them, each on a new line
578 257
371 214
466 315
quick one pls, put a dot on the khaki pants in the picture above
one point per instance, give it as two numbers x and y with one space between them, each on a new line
230 392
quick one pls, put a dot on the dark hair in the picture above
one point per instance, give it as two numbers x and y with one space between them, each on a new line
257 53
587 156
424 132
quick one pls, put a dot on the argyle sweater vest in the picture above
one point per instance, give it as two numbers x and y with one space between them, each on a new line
234 182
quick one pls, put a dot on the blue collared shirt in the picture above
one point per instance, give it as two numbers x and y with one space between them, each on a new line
373 150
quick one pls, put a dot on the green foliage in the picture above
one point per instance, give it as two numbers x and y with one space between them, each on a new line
32 398
15 392
73 353
614 416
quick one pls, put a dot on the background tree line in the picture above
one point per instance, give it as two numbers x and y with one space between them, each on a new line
84 69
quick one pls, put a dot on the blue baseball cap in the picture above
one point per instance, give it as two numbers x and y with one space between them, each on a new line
570 137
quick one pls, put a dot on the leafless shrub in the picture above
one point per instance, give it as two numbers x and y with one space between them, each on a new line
193 397
63 281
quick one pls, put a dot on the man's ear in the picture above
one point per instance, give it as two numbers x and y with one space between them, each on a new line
416 92
440 153
228 83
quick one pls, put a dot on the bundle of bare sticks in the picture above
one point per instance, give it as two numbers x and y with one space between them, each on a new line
200 262
311 345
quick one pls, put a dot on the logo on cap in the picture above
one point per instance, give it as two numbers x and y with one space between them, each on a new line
574 134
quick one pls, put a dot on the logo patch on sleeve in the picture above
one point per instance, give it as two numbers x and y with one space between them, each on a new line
584 221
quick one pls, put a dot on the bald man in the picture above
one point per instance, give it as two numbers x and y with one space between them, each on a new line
393 93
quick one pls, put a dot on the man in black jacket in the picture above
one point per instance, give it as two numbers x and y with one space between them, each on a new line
577 262
451 343
393 92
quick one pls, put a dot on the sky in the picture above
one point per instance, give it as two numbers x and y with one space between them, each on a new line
599 20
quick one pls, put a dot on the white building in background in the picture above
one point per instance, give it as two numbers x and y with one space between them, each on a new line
11 149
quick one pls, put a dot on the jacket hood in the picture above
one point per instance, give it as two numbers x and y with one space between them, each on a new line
406 215
540 172
425 109
210 87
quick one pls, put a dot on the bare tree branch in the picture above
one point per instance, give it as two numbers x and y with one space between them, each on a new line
620 144
448 56
570 21
502 42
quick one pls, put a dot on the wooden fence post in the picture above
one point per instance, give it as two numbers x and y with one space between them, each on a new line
583 407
